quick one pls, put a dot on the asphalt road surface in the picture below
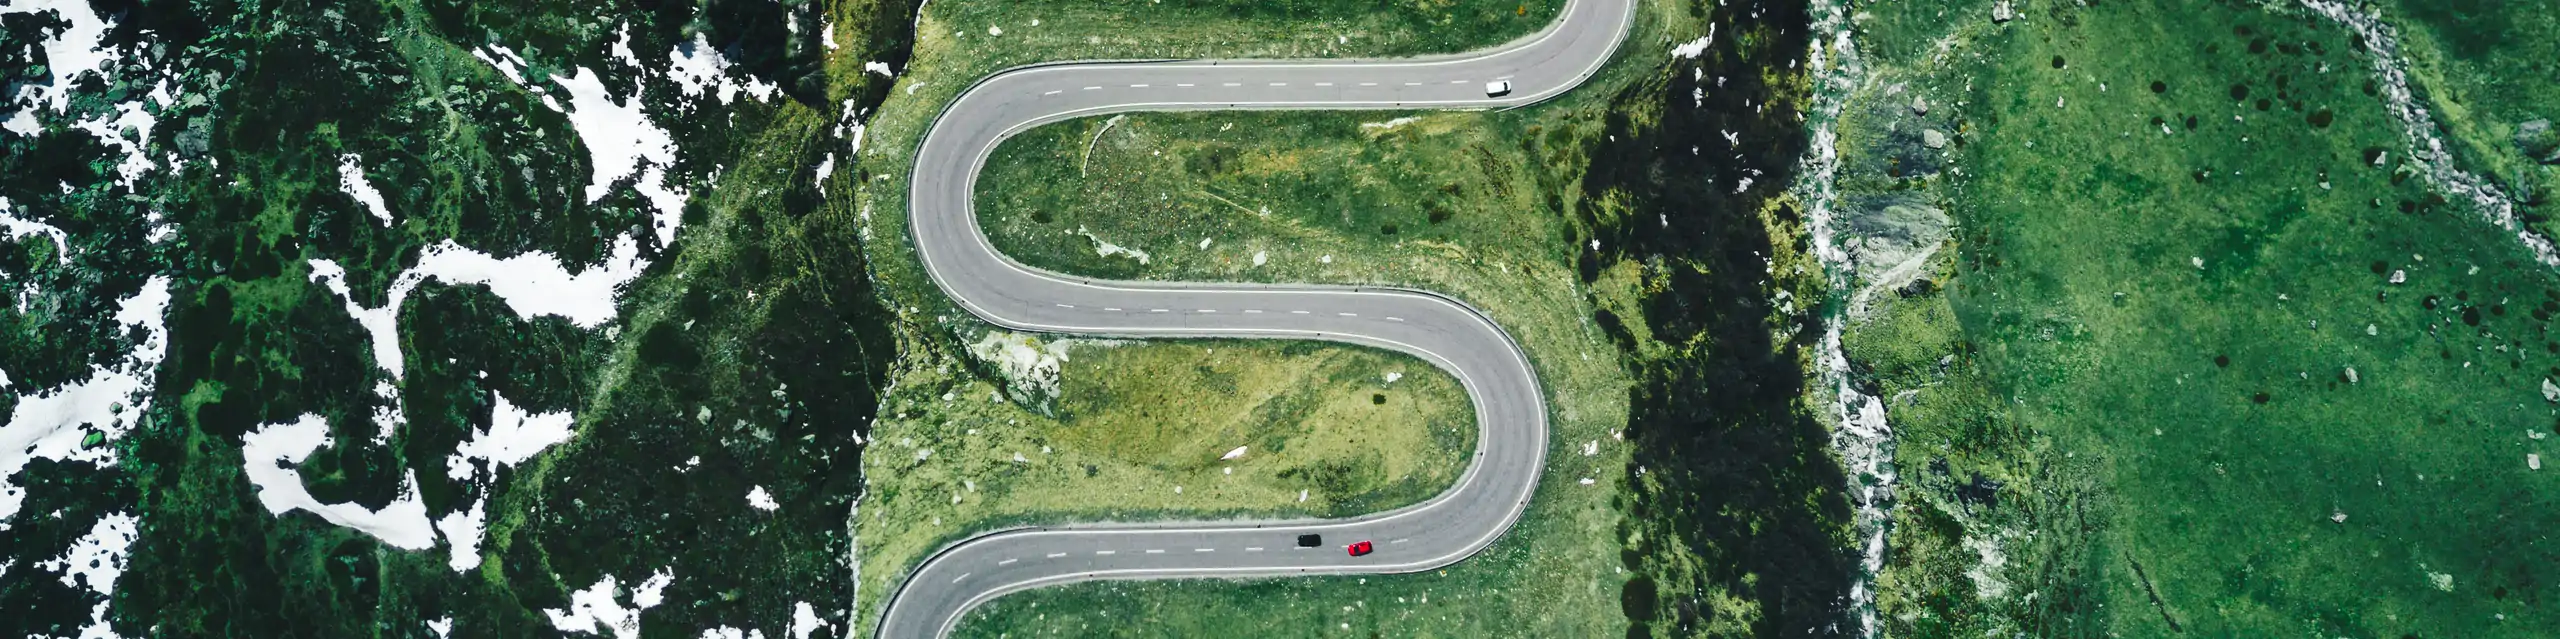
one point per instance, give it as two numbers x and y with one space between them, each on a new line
1511 412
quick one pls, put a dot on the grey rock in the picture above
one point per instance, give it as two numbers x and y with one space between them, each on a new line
1932 138
1919 105
2538 141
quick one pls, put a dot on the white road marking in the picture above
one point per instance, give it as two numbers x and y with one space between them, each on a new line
1111 308
1324 84
1255 311
1155 551
964 575
1394 319
1279 84
1007 562
1253 549
1232 84
1106 552
1348 314
1091 88
1066 306
1158 310
1055 92
1056 555
1297 312
1368 84
1204 550
1185 84
1137 86
1457 82
1413 84
1208 310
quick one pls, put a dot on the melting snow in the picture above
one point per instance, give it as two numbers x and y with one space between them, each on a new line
81 49
619 135
596 605
462 531
269 449
1694 48
697 67
513 437
1107 249
12 227
1233 454
56 424
351 179
805 620
761 500
1026 363
1390 124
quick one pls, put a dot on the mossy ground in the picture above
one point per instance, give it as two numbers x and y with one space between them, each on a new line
2197 363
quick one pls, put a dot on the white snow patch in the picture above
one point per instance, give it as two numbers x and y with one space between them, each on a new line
267 451
1107 249
761 500
1259 257
442 626
596 606
13 227
95 560
129 115
22 123
878 67
619 136
80 49
513 437
351 179
1392 376
826 167
1028 365
1390 124
462 531
697 67
805 620
1694 48
55 424
1233 454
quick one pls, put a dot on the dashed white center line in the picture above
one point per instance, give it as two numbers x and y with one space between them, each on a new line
1106 552
1092 88
1399 541
1066 306
1008 561
1232 84
1204 550
1208 310
1348 314
1137 86
1111 308
1159 310
1185 84
1457 82
1368 84
1324 84
1253 549
1413 84
964 575
1155 551
1255 311
1297 312
1395 319
1056 555
1279 84
1055 92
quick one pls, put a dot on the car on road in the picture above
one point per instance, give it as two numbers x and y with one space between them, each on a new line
1361 548
1497 88
1310 541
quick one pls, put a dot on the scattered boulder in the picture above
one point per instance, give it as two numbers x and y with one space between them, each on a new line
2539 141
2550 391
1890 232
1933 138
2002 11
1919 105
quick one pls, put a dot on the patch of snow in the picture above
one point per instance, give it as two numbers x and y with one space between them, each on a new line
1028 364
995 31
462 531
805 620
13 227
95 560
1694 48
351 179
443 627
56 424
269 449
1591 448
80 49
761 500
23 123
826 168
535 283
1392 376
1108 249
129 115
1259 257
1233 454
878 67
698 68
618 136
596 606
1985 573
1390 124
1204 244
513 436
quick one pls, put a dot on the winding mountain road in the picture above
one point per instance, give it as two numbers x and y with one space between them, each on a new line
1511 412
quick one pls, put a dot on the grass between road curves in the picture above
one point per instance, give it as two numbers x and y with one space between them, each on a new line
1328 432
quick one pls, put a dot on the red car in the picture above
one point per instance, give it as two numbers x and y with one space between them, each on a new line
1361 548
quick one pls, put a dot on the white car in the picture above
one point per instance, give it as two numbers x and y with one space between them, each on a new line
1497 88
